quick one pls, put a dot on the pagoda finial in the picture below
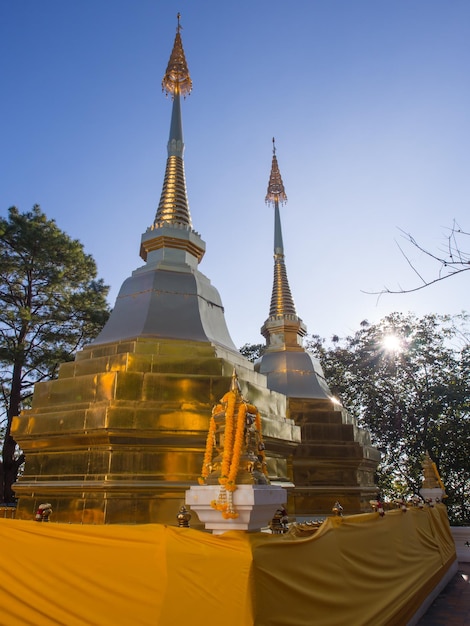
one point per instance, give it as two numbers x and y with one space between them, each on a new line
235 385
281 300
177 79
276 192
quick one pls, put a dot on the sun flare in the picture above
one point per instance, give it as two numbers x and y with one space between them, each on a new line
392 343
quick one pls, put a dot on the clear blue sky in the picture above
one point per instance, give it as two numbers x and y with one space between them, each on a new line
369 102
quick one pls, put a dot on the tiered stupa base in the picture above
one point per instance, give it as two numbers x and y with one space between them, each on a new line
120 436
335 461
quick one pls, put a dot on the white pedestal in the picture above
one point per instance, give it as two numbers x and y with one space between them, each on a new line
255 505
461 535
432 494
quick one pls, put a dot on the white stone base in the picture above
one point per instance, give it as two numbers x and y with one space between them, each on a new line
432 494
461 535
255 505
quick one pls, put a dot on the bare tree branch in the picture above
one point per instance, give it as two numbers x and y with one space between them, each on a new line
453 261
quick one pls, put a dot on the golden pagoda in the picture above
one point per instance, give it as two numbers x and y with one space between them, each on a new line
335 460
432 488
120 435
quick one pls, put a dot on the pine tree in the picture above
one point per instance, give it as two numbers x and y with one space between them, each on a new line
51 304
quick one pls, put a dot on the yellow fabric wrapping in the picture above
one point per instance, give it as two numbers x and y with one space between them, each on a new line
355 570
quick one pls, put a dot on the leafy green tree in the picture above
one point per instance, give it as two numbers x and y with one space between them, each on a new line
252 351
51 304
406 380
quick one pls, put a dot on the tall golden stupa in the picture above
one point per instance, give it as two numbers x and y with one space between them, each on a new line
120 435
335 459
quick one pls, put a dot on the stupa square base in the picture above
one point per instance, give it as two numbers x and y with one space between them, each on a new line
255 505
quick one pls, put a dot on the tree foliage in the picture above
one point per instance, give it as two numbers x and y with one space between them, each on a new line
252 351
51 304
406 380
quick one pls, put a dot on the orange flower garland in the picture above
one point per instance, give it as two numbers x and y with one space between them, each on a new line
230 399
233 444
210 444
237 447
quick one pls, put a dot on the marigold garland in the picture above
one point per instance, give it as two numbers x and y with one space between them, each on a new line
237 447
230 400
210 444
233 443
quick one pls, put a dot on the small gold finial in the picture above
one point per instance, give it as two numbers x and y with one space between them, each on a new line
337 509
276 191
177 79
183 518
235 385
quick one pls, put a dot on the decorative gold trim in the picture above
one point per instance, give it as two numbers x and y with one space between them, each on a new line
173 206
282 302
171 242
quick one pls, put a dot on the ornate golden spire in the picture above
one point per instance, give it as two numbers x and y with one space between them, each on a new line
282 302
177 79
172 227
173 207
276 192
288 367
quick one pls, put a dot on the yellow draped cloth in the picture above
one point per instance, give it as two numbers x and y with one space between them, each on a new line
357 570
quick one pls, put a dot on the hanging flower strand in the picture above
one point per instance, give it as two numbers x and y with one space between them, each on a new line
230 400
237 447
235 431
210 445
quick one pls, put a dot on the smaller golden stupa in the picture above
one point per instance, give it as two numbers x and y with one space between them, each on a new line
335 459
431 477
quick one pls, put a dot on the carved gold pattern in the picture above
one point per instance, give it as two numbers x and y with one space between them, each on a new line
282 302
177 79
171 242
276 191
